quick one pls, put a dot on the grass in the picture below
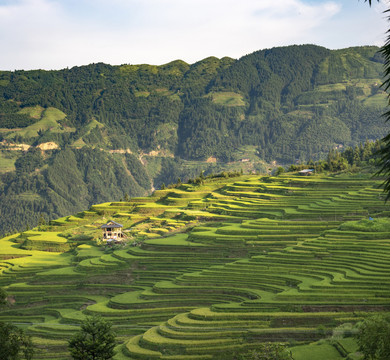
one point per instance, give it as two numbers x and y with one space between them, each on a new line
7 161
44 236
317 351
227 98
366 225
331 87
376 100
48 119
33 111
175 240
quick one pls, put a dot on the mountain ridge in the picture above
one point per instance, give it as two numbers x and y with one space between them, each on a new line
282 105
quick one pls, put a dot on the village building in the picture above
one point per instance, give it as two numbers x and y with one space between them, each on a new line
112 232
306 172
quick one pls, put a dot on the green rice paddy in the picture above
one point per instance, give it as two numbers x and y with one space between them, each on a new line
210 269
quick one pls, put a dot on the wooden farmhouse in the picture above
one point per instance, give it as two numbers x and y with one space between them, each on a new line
112 232
306 172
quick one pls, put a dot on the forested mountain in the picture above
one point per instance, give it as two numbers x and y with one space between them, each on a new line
93 133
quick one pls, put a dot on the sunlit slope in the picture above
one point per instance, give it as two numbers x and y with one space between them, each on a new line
216 267
128 129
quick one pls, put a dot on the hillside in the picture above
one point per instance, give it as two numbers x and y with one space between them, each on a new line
96 132
209 269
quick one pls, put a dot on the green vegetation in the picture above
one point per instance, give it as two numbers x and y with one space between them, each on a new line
265 351
130 128
95 340
48 119
374 225
7 162
373 338
385 152
14 344
223 265
3 297
227 98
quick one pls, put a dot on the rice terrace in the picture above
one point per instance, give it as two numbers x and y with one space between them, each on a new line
210 269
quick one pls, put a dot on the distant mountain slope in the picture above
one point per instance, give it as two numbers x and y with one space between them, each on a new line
104 130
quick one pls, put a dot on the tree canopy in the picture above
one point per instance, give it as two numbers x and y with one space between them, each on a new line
3 297
14 343
94 341
385 162
373 338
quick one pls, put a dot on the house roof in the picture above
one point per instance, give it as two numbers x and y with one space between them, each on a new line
304 171
111 224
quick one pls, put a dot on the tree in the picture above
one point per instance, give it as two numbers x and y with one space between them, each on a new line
41 220
279 170
3 297
385 151
14 343
373 338
94 341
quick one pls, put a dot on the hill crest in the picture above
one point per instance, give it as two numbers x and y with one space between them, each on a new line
274 106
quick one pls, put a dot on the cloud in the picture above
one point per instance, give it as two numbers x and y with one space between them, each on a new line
54 34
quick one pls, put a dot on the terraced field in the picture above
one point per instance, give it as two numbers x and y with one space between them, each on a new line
209 270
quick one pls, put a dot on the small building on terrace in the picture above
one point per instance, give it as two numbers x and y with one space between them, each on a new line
306 172
112 232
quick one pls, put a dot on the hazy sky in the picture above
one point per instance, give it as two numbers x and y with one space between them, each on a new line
54 34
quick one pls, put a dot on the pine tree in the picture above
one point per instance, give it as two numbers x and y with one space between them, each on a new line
94 341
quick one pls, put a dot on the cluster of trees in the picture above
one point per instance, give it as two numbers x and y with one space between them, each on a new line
373 337
200 179
385 152
147 107
350 159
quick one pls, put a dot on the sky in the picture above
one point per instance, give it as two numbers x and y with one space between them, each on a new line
55 34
